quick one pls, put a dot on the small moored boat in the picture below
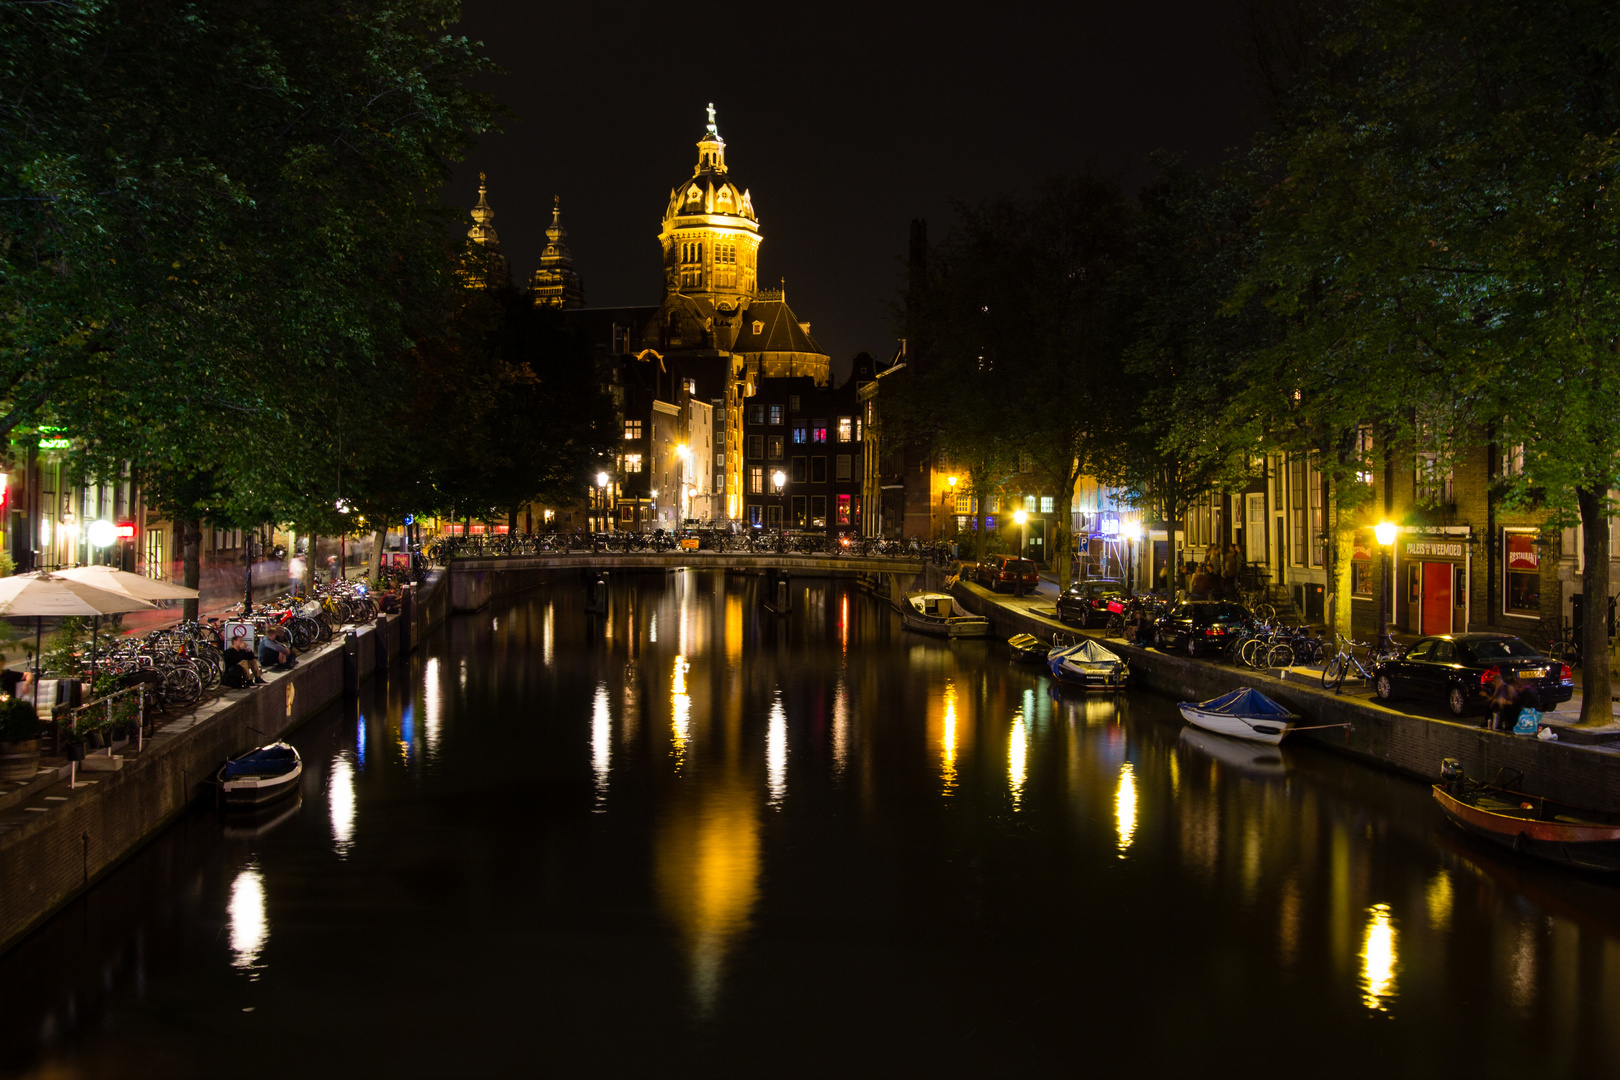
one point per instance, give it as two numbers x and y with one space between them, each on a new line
1529 824
1088 665
1028 648
259 776
937 613
1243 714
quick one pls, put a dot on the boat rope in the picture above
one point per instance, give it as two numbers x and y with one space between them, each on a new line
1319 727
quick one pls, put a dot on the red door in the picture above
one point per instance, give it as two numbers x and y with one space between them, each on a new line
1437 598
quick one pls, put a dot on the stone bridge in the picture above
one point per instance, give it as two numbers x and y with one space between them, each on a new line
476 580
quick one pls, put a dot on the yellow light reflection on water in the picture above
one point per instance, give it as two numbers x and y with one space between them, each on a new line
1017 754
601 744
947 741
776 752
340 805
250 924
843 624
1439 900
1125 808
734 631
681 712
707 859
432 704
1378 959
840 729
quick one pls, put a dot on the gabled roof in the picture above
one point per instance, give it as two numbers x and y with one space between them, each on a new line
779 330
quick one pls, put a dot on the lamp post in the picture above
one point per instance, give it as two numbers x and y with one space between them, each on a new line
683 455
1385 532
1132 532
1021 517
601 499
779 479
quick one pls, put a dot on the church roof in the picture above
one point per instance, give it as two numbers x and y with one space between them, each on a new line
771 326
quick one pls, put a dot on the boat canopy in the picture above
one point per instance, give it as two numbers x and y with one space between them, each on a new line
1247 702
1088 651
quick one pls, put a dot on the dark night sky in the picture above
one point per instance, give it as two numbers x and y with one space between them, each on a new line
844 120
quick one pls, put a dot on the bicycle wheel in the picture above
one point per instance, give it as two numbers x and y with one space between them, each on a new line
1564 652
1116 625
1333 673
1264 611
1249 654
1280 655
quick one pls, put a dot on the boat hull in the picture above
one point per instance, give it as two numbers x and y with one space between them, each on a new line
259 790
1259 729
1108 681
953 627
1586 845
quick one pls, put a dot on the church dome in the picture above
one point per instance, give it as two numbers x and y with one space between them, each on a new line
710 191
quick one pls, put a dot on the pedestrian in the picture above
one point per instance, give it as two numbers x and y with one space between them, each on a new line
331 568
296 567
1507 702
1229 572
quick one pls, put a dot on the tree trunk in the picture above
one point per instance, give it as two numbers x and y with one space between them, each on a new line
379 538
1341 545
190 555
1595 682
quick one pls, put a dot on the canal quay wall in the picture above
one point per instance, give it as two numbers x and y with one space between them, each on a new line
55 841
1414 745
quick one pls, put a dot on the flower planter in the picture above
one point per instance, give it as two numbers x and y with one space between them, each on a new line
19 760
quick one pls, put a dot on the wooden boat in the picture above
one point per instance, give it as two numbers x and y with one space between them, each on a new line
1242 714
937 613
1088 665
1529 824
1240 755
1028 648
259 776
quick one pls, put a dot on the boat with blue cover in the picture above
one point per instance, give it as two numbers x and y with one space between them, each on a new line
1088 665
1242 714
259 776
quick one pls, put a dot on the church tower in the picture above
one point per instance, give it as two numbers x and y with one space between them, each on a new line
710 233
493 273
556 284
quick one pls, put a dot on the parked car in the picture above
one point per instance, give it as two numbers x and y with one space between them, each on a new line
1085 603
1199 627
1004 571
1461 670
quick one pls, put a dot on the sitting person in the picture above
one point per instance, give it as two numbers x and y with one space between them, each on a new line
1507 702
241 669
274 650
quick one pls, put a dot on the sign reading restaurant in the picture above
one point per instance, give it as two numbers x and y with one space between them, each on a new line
1443 549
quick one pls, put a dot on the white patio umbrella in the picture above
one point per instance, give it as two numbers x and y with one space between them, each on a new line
122 581
42 594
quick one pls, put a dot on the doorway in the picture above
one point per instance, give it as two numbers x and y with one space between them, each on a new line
1036 540
1436 606
1254 529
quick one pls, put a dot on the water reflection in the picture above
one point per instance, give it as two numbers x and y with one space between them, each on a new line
1017 751
1125 808
840 729
947 741
1438 899
432 704
1378 959
249 922
680 711
707 867
776 751
601 744
341 804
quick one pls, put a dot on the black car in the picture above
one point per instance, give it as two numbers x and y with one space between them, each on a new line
1461 670
1199 627
1006 571
1086 603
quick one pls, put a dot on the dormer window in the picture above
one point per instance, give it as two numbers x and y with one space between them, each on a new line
759 328
694 194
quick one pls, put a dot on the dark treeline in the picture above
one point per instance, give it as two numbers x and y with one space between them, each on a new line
1417 256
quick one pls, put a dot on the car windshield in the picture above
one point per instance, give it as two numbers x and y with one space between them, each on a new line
1481 652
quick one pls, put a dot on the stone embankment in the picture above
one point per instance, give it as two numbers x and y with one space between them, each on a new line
56 839
1583 775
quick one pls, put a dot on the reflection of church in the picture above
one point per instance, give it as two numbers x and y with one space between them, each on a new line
681 372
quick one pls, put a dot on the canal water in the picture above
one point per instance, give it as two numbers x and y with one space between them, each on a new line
695 837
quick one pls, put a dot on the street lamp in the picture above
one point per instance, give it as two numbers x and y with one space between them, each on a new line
601 499
779 479
1385 532
684 454
1020 517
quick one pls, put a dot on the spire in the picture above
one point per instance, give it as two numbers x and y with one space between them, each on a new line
556 284
711 149
482 232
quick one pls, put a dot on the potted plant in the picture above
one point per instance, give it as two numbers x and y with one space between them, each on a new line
19 740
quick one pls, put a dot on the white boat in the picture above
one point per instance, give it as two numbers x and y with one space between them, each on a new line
259 776
1242 714
1240 755
938 614
1089 665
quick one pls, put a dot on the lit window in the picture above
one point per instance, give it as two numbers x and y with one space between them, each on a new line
818 431
801 432
1029 504
756 480
1048 504
964 504
753 514
857 429
776 414
626 513
632 429
632 463
719 458
776 447
846 428
843 509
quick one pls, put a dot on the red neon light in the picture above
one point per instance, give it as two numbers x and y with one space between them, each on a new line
125 531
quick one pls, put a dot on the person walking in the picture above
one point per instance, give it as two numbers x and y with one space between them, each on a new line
1230 564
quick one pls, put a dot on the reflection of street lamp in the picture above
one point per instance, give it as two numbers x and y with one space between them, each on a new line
601 500
1385 532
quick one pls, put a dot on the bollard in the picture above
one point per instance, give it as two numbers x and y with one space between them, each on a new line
782 594
351 662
